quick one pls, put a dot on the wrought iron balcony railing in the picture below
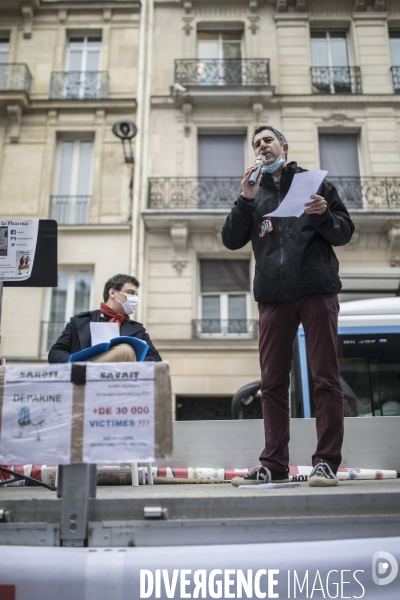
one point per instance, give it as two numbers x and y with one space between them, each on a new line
247 328
15 77
211 72
336 80
51 331
70 210
78 85
221 192
368 192
193 192
396 79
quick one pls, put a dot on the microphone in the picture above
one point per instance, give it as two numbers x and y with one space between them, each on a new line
254 176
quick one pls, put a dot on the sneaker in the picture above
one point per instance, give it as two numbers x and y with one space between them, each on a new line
322 476
261 475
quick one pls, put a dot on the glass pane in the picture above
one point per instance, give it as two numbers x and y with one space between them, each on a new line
232 36
59 300
75 60
82 292
395 48
207 45
210 311
236 307
339 154
221 156
84 173
94 42
339 50
231 50
76 42
319 50
4 44
64 181
93 60
211 307
237 314
225 275
58 305
356 388
385 381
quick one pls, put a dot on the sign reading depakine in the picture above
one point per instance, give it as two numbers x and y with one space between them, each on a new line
18 239
119 412
36 414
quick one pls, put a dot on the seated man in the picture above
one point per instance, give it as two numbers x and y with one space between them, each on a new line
120 301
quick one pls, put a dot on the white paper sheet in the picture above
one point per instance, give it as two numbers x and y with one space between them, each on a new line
119 413
36 416
103 332
304 185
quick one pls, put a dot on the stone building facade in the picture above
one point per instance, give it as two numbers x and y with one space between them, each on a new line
196 77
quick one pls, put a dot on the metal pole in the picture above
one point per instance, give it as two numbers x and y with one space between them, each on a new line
1 305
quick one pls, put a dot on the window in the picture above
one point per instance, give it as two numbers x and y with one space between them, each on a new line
219 45
83 79
4 47
71 203
370 374
222 158
219 57
83 53
339 156
394 40
331 73
329 49
72 296
221 155
225 296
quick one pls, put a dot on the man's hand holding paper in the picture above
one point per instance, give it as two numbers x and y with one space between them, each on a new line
297 201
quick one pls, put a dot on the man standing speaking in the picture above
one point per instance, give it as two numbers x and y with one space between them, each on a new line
296 281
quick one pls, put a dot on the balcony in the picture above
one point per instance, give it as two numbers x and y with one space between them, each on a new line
193 192
78 85
396 79
220 72
368 193
51 331
336 80
70 210
243 328
15 77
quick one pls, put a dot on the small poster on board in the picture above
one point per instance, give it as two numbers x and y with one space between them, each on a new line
18 239
119 412
36 414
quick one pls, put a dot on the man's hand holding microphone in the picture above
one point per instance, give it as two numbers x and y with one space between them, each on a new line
251 180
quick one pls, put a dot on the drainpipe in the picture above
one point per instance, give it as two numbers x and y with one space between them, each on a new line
140 97
145 160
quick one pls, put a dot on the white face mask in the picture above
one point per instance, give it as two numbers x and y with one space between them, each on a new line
131 303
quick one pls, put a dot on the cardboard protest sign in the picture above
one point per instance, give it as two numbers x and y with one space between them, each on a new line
85 412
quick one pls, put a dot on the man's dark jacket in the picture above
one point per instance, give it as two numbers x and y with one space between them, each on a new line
295 258
76 336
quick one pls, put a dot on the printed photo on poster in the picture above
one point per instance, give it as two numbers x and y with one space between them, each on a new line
24 262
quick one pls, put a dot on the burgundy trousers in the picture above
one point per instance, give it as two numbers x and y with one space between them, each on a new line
278 324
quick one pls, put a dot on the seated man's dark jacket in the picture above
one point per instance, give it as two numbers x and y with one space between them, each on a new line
76 336
295 258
